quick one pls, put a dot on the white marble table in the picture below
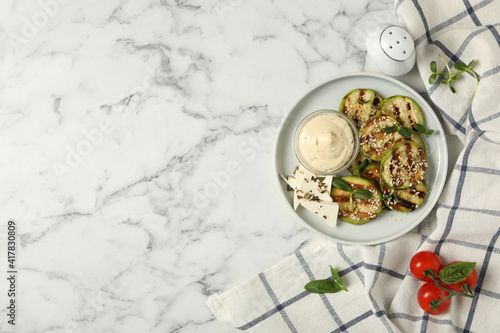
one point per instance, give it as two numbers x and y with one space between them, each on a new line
136 141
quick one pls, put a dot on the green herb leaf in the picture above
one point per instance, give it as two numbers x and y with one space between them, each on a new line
342 184
404 132
390 129
456 272
460 67
429 132
433 66
419 127
323 286
451 88
432 78
337 278
326 285
361 167
456 76
363 102
471 63
362 193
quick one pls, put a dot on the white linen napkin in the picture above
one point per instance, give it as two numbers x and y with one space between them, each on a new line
382 293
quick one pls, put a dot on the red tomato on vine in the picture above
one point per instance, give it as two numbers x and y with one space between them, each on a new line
422 261
432 299
466 285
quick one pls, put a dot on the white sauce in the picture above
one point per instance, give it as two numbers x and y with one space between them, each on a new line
325 142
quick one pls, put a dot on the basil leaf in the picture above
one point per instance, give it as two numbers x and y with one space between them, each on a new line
433 67
337 278
421 128
456 272
390 129
404 132
362 193
323 286
342 184
335 275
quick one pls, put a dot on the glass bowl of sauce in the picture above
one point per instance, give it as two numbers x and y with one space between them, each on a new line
326 142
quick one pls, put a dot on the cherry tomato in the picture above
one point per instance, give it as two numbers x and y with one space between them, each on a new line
422 261
430 293
471 280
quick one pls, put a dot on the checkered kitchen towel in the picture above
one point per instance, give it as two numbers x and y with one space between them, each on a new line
382 294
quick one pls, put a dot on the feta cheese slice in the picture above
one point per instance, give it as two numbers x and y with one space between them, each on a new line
298 194
307 186
309 183
299 169
328 182
291 181
327 210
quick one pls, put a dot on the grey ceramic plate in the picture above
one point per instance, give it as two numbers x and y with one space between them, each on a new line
390 224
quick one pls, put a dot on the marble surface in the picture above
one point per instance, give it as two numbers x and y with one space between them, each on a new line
137 149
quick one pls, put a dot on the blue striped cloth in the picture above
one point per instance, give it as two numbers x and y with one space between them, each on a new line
382 292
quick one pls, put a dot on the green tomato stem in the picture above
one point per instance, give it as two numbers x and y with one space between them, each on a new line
436 303
466 289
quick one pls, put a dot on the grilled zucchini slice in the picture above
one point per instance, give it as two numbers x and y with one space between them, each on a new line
403 109
404 200
374 142
415 137
372 173
360 105
364 210
403 166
